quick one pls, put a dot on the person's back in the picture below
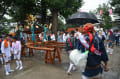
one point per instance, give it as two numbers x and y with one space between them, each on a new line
72 45
52 36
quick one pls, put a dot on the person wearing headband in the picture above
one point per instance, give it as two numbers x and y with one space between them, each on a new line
96 55
6 51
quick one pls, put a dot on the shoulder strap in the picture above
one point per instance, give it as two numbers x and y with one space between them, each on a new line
91 44
70 43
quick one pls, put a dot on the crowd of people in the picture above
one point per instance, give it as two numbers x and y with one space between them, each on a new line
10 47
87 39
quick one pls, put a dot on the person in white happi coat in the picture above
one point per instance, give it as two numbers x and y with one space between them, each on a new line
77 34
52 36
6 51
16 48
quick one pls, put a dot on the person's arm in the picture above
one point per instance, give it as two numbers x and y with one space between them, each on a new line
12 48
2 49
104 57
19 47
66 45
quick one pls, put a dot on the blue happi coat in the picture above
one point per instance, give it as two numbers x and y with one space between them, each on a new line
93 59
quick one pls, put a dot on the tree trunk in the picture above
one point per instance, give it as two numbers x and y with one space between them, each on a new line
44 12
55 22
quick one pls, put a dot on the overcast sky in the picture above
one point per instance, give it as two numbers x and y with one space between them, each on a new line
92 4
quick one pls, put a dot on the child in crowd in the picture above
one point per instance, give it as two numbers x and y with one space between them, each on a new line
16 48
6 51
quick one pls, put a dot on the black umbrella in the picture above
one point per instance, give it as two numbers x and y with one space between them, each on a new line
82 18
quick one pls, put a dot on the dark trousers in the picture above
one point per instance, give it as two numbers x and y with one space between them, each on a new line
117 41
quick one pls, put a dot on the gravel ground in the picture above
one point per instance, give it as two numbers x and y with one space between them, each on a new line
35 68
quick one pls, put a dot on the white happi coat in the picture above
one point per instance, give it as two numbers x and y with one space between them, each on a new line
52 37
6 50
15 49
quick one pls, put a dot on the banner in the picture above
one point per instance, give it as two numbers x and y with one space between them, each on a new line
110 11
101 12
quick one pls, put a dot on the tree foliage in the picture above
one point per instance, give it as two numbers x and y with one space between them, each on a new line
5 26
64 7
116 5
61 25
4 7
106 19
18 9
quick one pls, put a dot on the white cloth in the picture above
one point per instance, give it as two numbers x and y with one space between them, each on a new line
52 37
79 59
6 68
6 51
64 37
103 33
68 35
97 76
17 62
6 59
17 56
20 62
77 35
70 67
14 48
1 59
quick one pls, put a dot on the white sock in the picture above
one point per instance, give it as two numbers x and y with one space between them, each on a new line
70 67
1 60
84 77
20 62
74 68
17 62
6 68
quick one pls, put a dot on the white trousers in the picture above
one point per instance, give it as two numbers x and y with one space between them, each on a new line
6 59
17 56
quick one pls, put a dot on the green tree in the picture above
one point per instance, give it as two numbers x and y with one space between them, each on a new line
20 8
116 5
106 19
64 7
4 7
61 25
5 26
